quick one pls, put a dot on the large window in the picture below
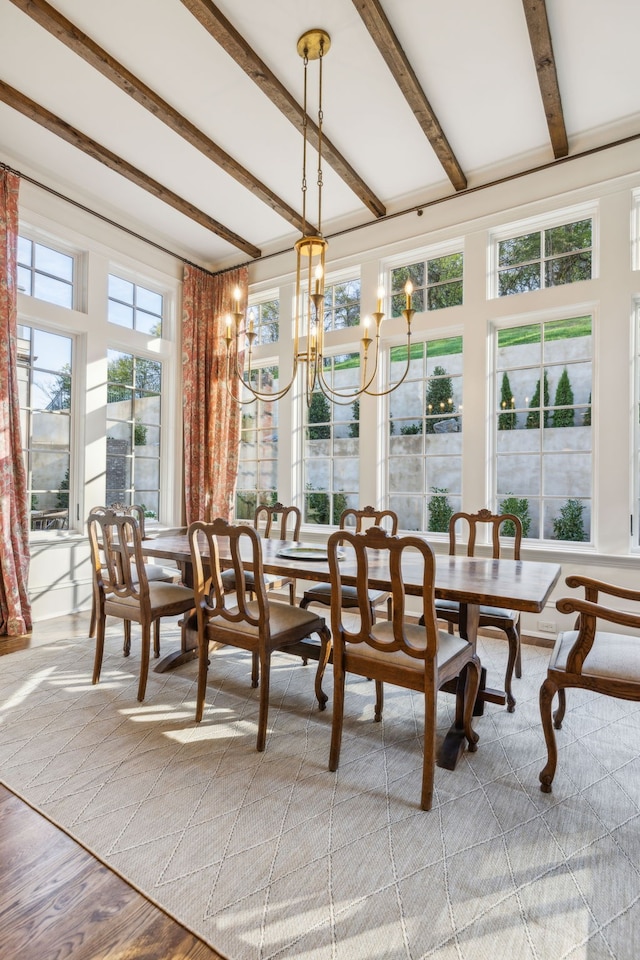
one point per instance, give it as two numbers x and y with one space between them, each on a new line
437 283
45 273
543 427
332 446
258 466
134 306
424 466
545 258
133 431
45 377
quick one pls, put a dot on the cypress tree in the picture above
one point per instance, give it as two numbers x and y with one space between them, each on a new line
507 419
564 414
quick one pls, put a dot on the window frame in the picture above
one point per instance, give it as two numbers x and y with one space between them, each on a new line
56 245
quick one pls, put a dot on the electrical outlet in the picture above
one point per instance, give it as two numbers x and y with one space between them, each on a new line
547 626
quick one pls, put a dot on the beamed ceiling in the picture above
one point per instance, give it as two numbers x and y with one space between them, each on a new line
181 119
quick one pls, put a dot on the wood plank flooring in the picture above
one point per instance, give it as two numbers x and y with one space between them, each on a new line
58 901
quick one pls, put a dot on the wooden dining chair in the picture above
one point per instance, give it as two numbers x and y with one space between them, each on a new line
153 571
265 521
589 658
357 520
259 626
498 617
420 658
122 588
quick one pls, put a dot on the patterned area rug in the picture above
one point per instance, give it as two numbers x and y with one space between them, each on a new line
271 856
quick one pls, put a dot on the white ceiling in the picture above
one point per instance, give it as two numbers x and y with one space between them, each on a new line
472 59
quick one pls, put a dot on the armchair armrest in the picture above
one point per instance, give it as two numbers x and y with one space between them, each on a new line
589 613
594 587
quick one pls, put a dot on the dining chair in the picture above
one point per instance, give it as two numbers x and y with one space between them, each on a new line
265 519
358 520
259 626
153 570
122 588
589 658
498 617
400 652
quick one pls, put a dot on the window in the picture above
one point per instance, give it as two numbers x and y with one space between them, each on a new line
437 283
134 386
266 319
332 446
342 305
545 258
45 273
135 307
543 427
424 466
45 386
258 464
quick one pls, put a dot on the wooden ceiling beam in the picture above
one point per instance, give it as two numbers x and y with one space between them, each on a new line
535 12
34 111
385 39
82 45
237 47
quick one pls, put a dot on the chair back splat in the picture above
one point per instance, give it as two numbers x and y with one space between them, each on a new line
418 657
258 625
463 534
265 522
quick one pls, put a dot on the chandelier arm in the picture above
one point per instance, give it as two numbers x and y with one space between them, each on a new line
331 395
384 393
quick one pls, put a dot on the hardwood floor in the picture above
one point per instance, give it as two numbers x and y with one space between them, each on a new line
58 901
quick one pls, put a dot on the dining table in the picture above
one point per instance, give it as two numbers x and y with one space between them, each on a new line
523 585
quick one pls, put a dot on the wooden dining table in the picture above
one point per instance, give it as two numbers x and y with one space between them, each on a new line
523 585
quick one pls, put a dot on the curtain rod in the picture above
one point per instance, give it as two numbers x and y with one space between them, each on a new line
417 208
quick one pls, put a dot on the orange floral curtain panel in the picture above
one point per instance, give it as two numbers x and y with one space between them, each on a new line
15 609
211 418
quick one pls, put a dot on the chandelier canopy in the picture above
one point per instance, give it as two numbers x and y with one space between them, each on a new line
310 250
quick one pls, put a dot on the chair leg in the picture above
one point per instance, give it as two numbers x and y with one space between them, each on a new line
323 660
338 716
512 659
377 715
126 647
93 620
156 638
558 716
97 661
519 657
547 693
265 667
429 753
144 660
466 696
255 669
203 667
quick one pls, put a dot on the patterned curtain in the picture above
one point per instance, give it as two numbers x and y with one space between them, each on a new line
15 609
211 418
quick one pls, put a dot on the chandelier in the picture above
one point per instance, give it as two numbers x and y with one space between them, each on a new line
311 250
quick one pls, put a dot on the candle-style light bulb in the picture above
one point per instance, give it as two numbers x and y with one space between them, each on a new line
318 277
251 321
236 298
408 289
380 299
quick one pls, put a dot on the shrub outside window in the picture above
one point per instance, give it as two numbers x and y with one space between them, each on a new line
543 427
45 273
135 307
545 258
45 387
258 461
424 466
134 388
437 283
332 445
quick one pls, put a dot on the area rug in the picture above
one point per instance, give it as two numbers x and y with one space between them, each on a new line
272 856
